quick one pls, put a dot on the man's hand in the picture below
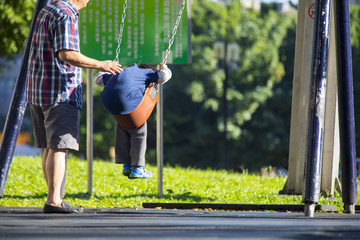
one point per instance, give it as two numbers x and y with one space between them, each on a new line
112 67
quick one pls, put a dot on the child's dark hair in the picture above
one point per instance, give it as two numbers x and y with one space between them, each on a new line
146 66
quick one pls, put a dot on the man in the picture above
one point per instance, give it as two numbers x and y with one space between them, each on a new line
54 91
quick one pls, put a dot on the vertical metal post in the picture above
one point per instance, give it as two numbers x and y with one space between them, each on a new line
346 106
89 126
311 192
17 109
225 102
159 140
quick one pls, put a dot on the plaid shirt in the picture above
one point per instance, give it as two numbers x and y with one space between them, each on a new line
50 80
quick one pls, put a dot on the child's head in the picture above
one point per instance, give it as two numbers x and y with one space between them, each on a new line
146 66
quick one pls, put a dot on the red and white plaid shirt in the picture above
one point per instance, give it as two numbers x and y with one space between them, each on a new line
50 80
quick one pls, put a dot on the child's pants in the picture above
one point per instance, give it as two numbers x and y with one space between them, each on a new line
130 145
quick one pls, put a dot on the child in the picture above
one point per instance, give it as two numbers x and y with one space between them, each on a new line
121 95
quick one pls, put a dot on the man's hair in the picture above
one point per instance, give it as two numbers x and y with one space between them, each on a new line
146 66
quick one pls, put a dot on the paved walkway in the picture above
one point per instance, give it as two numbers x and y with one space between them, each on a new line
126 223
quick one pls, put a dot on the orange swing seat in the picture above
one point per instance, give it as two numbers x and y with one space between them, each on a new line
139 115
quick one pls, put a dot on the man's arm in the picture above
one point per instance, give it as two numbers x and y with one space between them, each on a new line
79 60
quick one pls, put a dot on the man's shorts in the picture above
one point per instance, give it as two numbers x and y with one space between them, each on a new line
56 126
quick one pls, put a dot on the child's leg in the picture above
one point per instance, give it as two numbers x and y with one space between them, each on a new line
138 145
122 146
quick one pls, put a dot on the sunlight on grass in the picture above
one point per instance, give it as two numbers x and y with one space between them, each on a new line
26 186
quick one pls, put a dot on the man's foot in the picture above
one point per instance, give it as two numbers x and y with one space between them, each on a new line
126 170
139 172
65 208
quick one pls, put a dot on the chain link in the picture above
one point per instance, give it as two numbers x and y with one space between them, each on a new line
121 31
171 40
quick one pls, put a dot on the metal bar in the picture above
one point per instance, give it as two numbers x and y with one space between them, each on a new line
225 110
17 109
346 106
318 80
159 140
188 6
89 127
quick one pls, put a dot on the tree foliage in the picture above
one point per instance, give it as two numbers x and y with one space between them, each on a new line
15 18
251 85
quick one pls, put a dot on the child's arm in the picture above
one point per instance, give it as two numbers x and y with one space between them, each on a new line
99 78
164 74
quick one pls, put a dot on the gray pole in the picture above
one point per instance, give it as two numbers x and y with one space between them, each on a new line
346 106
225 110
318 81
89 126
159 140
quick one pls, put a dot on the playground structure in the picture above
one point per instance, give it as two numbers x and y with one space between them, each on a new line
322 133
315 110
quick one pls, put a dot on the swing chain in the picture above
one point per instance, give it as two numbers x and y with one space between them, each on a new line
121 31
171 40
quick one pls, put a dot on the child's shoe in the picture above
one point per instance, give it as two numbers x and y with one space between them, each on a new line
126 170
139 172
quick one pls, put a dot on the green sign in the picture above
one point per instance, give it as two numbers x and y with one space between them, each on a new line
148 27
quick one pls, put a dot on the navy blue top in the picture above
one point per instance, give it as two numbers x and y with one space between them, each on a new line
123 92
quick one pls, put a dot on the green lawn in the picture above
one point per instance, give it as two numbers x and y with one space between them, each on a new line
26 186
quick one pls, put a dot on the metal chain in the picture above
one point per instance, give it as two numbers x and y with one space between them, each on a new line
171 40
121 31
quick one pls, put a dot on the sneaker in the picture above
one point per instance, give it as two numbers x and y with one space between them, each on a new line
139 172
126 170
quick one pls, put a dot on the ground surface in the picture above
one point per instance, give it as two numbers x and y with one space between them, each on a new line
121 223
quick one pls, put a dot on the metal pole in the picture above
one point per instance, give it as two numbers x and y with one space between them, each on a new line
346 106
17 109
89 124
159 140
311 192
225 102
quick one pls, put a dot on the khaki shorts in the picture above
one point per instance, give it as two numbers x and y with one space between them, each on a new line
56 126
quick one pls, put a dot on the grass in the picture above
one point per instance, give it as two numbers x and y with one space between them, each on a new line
26 186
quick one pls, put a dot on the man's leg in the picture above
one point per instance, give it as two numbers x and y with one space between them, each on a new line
44 157
62 193
55 166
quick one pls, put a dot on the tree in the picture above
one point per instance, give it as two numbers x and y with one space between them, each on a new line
270 125
15 17
251 83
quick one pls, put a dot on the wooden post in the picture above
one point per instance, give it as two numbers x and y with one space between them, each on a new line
300 98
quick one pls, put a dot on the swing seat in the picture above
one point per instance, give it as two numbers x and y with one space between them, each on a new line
139 116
